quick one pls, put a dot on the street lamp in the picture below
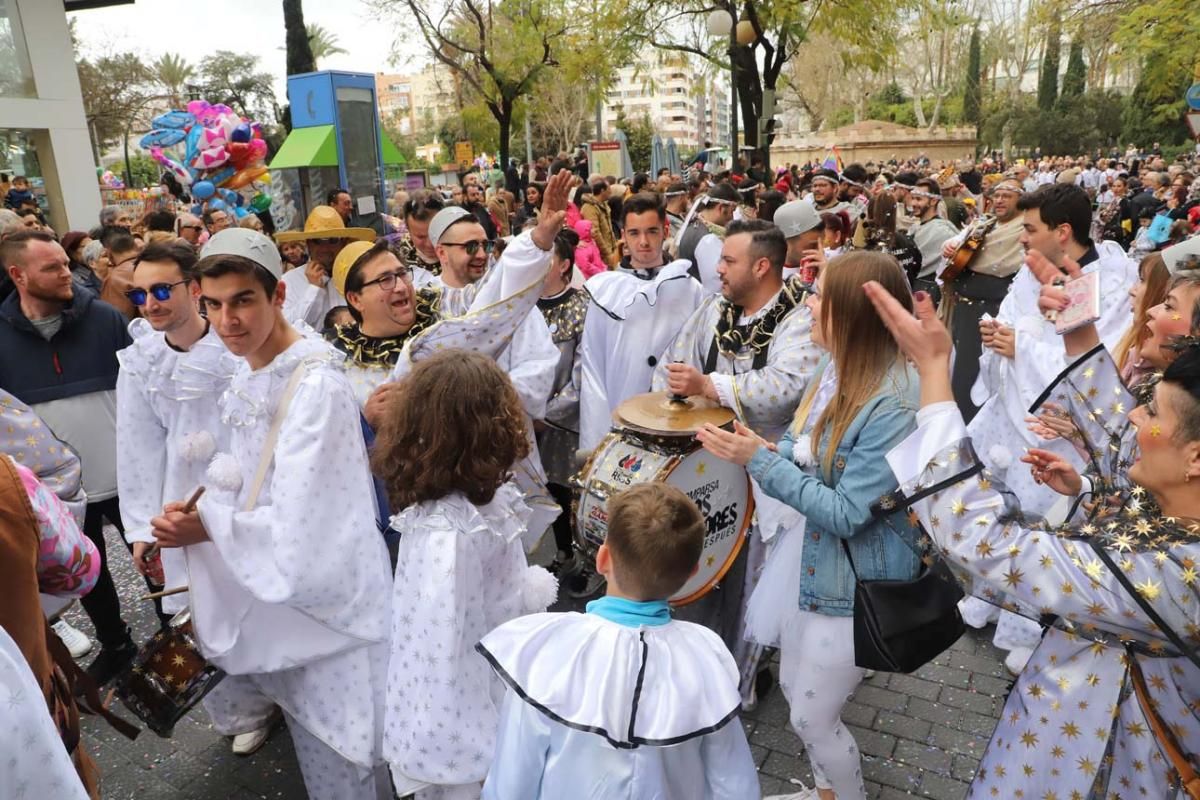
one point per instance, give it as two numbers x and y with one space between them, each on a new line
723 22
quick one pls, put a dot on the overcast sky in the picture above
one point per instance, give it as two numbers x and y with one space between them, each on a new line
194 29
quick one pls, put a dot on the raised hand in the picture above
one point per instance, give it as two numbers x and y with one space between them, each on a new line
554 209
923 338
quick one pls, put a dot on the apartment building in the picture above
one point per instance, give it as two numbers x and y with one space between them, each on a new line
416 101
679 98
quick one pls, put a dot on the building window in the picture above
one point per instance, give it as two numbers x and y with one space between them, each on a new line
16 73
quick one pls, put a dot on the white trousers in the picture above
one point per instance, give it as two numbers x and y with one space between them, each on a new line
328 775
459 791
818 676
237 705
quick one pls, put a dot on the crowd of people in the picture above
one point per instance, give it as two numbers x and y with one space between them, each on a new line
386 425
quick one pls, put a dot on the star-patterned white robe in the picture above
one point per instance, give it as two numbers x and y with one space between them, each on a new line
529 357
292 595
168 428
633 317
1072 726
34 764
460 572
1006 387
765 400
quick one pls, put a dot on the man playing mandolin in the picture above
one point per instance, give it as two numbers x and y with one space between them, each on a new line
976 281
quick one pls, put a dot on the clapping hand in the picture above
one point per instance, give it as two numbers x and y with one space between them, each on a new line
737 447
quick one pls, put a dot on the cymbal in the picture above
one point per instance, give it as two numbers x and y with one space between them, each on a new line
657 413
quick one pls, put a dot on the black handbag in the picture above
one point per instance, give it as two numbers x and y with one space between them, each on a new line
901 625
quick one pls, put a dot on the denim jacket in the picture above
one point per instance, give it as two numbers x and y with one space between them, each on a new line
841 510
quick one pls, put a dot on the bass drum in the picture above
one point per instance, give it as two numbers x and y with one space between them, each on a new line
720 490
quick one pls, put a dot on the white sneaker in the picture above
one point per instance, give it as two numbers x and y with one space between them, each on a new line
77 642
1016 659
805 794
246 743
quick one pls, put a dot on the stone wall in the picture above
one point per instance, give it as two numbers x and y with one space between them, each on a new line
874 140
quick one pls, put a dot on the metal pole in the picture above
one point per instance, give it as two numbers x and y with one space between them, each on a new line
528 139
733 91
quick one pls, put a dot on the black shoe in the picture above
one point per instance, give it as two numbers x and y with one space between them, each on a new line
563 564
585 584
764 682
110 661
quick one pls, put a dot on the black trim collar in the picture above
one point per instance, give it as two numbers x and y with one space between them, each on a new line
631 742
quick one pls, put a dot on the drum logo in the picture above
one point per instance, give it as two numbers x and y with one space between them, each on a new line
626 469
720 518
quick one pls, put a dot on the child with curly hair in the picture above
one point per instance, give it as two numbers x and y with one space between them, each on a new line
461 569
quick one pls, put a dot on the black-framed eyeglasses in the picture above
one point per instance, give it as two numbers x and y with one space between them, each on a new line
387 281
161 292
191 227
472 247
326 241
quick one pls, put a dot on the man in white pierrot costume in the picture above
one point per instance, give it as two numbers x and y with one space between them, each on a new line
291 594
169 426
749 349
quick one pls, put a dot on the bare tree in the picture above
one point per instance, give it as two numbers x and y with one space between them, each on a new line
497 50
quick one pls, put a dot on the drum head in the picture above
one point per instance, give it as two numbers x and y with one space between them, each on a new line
657 413
721 491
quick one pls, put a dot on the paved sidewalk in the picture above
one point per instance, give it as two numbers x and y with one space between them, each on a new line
920 735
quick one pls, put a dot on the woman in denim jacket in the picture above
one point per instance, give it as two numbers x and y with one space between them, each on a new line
830 467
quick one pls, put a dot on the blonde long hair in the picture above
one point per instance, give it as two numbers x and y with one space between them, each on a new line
860 346
1153 272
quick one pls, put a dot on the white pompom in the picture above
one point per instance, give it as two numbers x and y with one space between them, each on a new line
197 446
224 472
802 451
539 590
1001 456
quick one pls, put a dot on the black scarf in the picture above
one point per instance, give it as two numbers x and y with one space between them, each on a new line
732 338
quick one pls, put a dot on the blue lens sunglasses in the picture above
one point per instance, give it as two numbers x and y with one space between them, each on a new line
161 292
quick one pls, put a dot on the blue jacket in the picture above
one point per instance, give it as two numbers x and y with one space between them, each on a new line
841 510
81 358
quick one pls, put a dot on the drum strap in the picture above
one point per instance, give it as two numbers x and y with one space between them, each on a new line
268 453
69 677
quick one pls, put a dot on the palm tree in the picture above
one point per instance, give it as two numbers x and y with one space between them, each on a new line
172 72
322 42
299 54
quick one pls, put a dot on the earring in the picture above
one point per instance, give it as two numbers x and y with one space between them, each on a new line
1186 477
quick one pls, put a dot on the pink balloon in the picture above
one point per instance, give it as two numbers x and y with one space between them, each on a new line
210 158
212 138
176 169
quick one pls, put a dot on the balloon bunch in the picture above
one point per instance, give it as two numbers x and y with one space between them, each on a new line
111 180
223 156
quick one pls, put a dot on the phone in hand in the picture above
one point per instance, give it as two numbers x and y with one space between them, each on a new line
1083 294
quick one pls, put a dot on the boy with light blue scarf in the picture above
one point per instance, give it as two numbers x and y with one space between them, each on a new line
622 701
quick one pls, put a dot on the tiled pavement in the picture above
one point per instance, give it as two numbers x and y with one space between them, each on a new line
921 735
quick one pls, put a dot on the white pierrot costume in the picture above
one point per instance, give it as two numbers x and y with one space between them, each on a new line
597 707
633 317
168 429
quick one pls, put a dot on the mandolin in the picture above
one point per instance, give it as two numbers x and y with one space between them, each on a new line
973 239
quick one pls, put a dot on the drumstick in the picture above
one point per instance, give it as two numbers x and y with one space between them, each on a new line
165 593
188 508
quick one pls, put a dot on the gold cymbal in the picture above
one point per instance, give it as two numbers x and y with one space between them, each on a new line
658 413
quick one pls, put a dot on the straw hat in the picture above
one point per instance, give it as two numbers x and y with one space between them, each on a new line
344 261
325 223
